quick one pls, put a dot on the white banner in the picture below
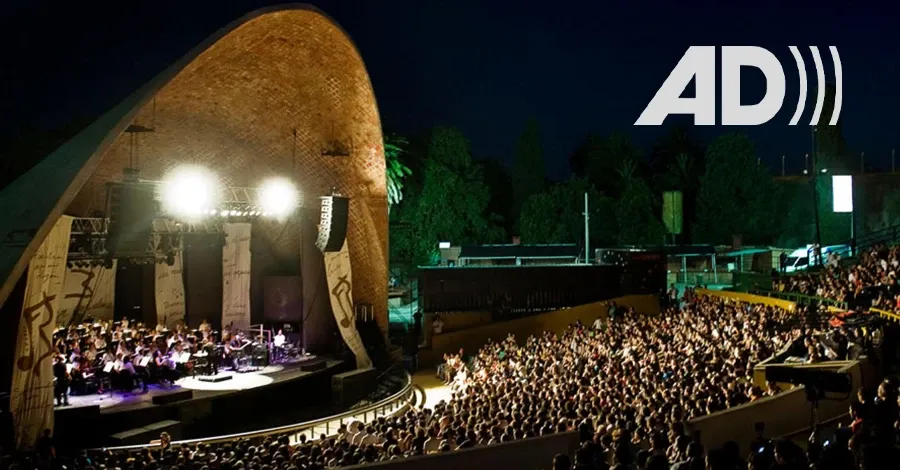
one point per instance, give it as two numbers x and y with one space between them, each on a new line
340 290
31 401
169 290
89 293
236 277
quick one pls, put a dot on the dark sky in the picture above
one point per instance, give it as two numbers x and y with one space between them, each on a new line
482 65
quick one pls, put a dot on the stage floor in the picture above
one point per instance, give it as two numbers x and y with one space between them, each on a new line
111 402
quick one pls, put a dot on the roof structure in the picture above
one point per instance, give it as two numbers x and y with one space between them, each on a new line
513 251
266 95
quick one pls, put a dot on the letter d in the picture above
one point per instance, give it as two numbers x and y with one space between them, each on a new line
733 112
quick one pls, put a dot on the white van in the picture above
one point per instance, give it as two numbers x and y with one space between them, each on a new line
799 259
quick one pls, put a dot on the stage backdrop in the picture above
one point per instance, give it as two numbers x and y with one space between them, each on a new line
31 401
340 289
88 293
169 292
283 299
236 276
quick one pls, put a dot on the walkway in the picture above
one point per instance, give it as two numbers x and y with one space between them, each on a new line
435 390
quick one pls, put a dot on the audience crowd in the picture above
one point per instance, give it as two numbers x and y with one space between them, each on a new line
627 386
871 281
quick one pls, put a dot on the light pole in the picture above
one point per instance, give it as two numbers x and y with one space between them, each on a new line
587 231
814 177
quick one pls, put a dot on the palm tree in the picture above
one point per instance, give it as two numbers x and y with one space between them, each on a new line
394 170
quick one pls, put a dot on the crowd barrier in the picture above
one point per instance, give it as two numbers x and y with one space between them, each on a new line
787 413
472 339
750 298
526 454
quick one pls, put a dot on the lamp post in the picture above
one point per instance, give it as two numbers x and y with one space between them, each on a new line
814 177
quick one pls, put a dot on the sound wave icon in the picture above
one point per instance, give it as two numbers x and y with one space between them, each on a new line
820 80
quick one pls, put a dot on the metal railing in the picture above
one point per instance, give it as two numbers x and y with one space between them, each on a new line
801 298
328 426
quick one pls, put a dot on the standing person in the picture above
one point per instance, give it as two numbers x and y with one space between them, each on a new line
782 262
61 389
672 295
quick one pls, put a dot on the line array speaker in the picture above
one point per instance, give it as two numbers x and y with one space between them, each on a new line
333 223
131 209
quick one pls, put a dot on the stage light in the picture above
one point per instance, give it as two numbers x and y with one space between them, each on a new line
278 197
189 191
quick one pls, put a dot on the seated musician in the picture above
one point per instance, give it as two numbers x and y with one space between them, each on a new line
91 353
140 361
99 341
165 367
122 374
181 359
233 349
78 386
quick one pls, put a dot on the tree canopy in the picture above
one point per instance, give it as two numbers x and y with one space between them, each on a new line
452 204
736 195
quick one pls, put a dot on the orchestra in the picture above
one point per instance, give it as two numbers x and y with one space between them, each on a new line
100 356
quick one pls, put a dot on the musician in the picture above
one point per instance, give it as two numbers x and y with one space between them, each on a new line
233 349
79 372
61 373
278 343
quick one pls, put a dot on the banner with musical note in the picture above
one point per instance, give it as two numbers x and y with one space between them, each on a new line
31 400
169 290
89 293
236 276
340 290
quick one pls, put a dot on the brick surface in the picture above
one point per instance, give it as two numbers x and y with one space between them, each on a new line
234 110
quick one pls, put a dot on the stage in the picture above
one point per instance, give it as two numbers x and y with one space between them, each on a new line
228 381
235 402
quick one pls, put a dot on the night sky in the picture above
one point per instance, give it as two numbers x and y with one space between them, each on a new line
481 65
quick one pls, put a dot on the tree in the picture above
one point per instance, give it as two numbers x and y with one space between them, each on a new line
394 169
605 160
635 211
452 205
528 170
556 215
499 181
737 196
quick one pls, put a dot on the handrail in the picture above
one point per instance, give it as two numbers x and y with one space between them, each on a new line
392 403
886 314
795 297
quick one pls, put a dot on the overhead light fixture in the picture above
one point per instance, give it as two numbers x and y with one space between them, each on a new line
189 191
279 197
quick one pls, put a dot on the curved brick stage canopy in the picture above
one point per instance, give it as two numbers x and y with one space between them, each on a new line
265 96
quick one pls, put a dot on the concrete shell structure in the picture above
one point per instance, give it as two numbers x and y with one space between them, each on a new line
265 96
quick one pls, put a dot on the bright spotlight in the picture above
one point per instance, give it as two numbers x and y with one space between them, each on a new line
189 191
278 197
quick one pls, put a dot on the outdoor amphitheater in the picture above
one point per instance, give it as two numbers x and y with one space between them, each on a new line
200 279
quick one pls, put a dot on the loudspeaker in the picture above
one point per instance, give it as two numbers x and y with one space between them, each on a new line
173 397
313 365
333 223
820 380
350 387
131 208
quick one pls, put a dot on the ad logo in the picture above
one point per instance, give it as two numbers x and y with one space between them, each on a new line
699 64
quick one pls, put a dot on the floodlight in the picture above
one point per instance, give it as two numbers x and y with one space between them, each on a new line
278 197
189 191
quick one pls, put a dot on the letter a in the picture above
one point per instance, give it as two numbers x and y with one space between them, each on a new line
699 64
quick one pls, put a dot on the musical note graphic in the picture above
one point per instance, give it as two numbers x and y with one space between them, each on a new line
30 314
341 292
